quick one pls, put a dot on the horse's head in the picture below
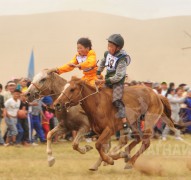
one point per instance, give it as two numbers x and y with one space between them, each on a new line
71 95
40 86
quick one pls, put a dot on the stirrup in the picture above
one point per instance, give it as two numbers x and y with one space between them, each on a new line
125 125
126 128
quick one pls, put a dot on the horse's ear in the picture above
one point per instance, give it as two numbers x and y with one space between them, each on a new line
76 80
45 70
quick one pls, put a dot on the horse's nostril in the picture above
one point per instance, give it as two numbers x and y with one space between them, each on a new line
58 105
28 94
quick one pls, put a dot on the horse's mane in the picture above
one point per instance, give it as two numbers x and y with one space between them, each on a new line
104 90
53 74
82 82
58 76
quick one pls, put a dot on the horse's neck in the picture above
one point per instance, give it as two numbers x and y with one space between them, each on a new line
57 85
89 103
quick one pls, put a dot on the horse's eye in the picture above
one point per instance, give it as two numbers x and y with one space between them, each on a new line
72 90
43 80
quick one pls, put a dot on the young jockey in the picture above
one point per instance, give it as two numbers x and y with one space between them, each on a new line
116 61
85 60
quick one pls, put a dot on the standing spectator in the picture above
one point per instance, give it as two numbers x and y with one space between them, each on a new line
10 113
23 83
188 110
47 102
20 132
46 121
156 88
148 83
175 101
1 89
1 113
35 120
182 85
172 85
11 86
164 88
185 89
24 122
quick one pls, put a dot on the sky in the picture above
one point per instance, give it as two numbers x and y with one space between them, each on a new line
138 9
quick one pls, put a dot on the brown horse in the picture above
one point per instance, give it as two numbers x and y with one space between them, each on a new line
98 106
52 84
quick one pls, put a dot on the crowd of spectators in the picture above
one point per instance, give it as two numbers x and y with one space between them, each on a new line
35 120
33 128
179 98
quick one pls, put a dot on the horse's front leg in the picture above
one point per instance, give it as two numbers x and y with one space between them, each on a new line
77 139
102 140
122 142
51 159
95 166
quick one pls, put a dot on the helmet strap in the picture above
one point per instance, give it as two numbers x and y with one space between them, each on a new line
117 49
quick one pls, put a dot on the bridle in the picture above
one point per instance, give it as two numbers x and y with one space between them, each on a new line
70 101
39 93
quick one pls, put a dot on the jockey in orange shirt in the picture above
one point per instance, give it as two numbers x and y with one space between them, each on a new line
85 60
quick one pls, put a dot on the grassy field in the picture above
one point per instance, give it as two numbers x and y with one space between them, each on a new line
163 160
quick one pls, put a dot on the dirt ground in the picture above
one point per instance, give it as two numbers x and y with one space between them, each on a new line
163 160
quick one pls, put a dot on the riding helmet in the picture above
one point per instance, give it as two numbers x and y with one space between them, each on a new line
116 39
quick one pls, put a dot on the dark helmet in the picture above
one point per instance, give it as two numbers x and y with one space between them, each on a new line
116 39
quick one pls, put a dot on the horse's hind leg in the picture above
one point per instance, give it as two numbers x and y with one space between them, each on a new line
122 142
77 139
145 144
136 141
170 124
150 119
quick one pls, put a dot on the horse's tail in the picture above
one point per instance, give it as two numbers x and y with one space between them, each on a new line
167 109
166 104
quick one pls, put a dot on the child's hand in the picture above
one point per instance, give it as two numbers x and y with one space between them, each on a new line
77 66
99 76
99 81
72 65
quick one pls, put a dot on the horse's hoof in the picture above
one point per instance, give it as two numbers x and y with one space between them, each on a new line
128 166
105 164
88 148
93 169
127 158
51 161
114 156
110 161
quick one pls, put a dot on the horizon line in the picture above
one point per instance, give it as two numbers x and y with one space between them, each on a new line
106 13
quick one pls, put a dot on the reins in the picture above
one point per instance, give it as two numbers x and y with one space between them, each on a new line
80 94
97 90
41 91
